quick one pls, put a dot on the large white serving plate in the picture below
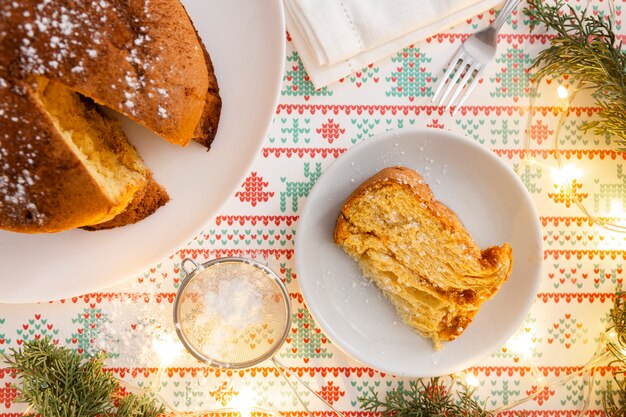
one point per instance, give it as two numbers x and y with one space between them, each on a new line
246 40
492 204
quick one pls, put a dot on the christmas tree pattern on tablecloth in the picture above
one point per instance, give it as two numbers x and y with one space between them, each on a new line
504 392
288 273
254 190
305 339
295 190
611 193
411 77
90 323
530 175
297 82
513 79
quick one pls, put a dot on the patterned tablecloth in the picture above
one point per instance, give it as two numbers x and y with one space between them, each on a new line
583 263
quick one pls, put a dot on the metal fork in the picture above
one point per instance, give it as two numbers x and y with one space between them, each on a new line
470 61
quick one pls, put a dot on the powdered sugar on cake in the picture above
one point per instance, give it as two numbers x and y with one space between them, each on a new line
66 42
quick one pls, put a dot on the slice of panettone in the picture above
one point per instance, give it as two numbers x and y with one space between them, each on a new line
419 254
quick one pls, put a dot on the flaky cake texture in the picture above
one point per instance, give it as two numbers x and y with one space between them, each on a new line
418 253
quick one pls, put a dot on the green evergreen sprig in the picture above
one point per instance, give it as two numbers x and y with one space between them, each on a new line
58 382
424 399
614 396
585 48
435 399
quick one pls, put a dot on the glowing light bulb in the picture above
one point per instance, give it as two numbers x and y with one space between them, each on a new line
167 348
565 175
244 402
561 91
524 346
472 381
523 343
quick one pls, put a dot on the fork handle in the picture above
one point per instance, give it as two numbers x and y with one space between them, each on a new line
505 11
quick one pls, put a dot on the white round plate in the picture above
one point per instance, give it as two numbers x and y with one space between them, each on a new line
487 197
246 41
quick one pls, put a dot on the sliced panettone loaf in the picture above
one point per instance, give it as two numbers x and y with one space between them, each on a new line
65 164
418 253
77 169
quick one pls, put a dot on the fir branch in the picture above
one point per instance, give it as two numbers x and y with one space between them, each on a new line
431 399
585 48
133 405
58 382
614 396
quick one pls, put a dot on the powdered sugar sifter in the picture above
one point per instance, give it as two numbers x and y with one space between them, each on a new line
235 313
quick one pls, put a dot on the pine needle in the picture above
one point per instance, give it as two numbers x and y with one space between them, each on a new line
585 48
424 399
58 382
614 396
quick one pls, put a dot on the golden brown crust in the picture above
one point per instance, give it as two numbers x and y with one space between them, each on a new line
206 129
417 251
142 58
422 191
144 203
44 187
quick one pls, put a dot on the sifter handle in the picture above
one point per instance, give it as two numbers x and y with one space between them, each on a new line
184 268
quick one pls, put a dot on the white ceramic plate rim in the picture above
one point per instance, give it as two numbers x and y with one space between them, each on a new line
309 277
236 33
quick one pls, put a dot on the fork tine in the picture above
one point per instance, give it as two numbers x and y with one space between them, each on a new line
458 76
464 81
453 63
469 89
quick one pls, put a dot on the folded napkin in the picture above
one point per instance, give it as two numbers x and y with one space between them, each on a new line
337 37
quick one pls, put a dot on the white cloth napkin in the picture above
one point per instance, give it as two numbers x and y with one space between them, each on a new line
337 37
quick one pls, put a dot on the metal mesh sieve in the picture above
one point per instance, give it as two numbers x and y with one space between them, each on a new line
232 312
235 313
